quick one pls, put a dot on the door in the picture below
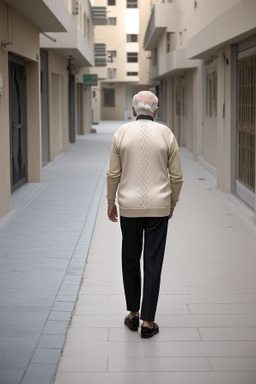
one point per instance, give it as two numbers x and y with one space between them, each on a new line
246 109
44 106
17 105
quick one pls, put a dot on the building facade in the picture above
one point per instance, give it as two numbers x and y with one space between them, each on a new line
203 58
45 49
127 65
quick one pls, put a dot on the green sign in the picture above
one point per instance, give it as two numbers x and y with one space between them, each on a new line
90 79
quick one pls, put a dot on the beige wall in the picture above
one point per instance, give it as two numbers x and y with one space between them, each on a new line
205 12
87 109
144 63
5 201
58 104
223 152
117 112
23 39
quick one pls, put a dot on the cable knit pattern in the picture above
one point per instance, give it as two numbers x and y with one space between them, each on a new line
144 170
144 166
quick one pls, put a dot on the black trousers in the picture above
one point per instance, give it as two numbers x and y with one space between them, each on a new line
148 233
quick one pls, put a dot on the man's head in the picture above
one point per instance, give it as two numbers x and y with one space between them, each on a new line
145 103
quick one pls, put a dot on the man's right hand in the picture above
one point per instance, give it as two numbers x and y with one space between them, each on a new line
112 213
171 213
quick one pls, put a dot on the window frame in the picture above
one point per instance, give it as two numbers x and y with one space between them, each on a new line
109 97
132 57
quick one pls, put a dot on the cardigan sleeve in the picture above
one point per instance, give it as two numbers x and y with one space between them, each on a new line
175 172
113 173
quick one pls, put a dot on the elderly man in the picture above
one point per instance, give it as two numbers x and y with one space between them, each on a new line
145 169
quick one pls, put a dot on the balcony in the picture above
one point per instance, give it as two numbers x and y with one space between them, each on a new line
163 18
46 15
70 44
171 63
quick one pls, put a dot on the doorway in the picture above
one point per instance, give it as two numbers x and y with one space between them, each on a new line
17 108
44 106
246 125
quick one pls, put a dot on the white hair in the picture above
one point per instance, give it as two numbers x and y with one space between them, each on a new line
145 108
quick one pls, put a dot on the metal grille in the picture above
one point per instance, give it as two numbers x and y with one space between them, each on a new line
246 121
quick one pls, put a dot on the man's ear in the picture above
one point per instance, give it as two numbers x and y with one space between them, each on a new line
133 111
155 113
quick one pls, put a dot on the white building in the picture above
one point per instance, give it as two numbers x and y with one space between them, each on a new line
127 69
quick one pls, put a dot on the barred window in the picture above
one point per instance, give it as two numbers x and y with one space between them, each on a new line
111 56
132 57
111 73
112 21
131 4
131 38
211 94
168 41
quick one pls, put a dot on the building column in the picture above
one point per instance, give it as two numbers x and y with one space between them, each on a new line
34 155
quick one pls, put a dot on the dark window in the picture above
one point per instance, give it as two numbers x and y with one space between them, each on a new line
131 38
108 97
111 56
132 57
111 2
131 4
112 21
211 94
132 73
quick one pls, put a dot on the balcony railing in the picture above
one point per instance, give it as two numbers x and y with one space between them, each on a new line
99 15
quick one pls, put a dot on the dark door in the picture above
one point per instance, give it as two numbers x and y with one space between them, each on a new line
18 146
246 127
44 106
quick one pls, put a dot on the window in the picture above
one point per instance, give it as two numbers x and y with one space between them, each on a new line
131 4
154 57
168 41
132 57
211 94
184 101
131 38
112 21
111 2
131 73
108 97
111 56
111 73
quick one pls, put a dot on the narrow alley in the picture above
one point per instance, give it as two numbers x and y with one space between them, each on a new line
207 305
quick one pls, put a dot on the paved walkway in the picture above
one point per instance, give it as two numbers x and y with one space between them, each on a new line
207 306
44 243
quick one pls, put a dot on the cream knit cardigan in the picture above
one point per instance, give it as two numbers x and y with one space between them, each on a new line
145 168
